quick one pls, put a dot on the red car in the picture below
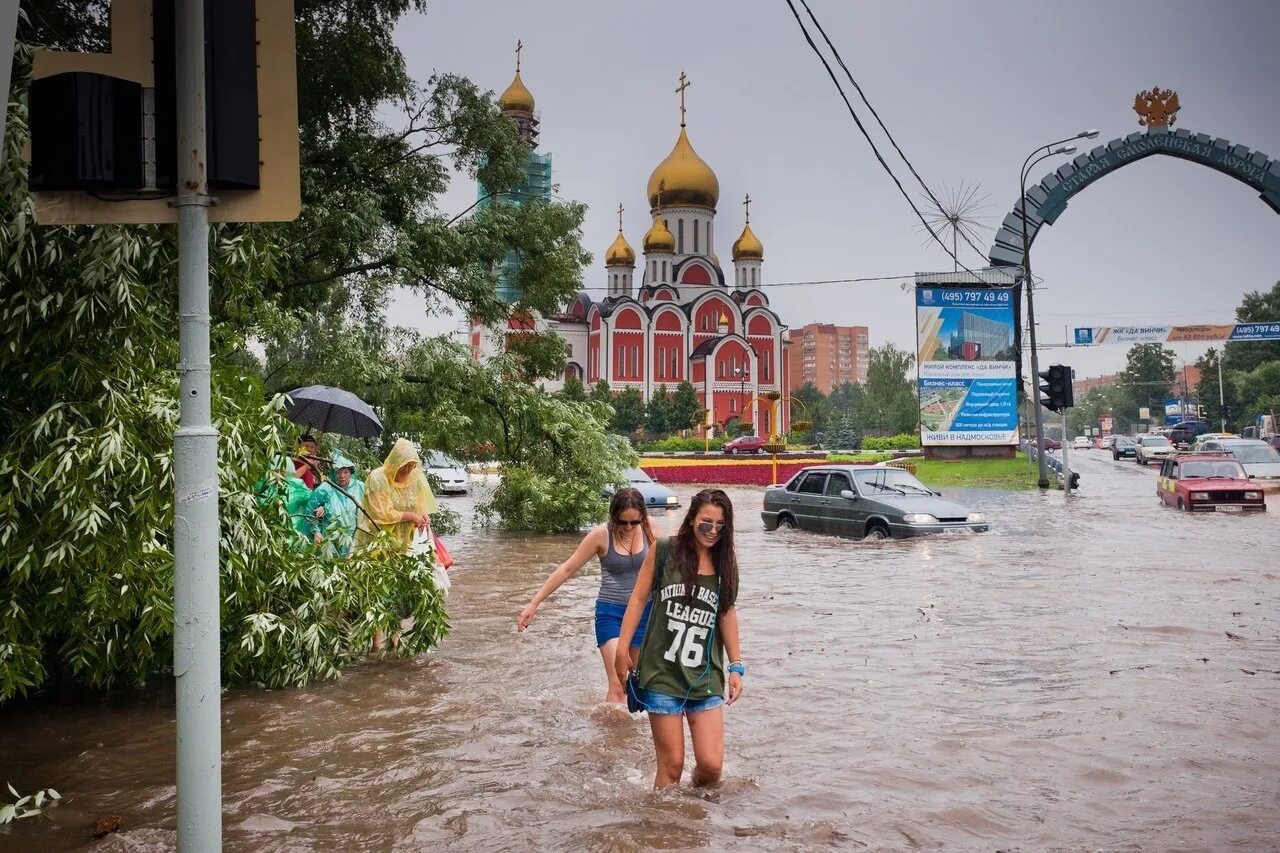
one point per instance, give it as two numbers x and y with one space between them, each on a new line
1210 482
745 444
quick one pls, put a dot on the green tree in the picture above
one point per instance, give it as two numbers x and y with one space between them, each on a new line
573 390
1255 307
658 413
628 412
813 407
686 409
890 405
1259 392
1147 378
602 393
1208 393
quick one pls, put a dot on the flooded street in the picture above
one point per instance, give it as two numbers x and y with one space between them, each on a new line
1095 674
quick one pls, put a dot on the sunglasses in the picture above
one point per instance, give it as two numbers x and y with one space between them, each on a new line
705 527
624 523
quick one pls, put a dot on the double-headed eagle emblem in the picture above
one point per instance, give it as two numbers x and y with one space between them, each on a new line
1156 107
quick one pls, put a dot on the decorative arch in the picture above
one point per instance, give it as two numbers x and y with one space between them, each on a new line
695 274
761 323
1046 201
628 318
668 319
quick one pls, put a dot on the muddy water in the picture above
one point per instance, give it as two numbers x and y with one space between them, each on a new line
1065 682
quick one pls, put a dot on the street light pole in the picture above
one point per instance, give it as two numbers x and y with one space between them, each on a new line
1052 150
1222 398
742 393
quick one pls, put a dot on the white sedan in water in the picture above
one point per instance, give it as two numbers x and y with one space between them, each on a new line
452 476
1081 443
1153 448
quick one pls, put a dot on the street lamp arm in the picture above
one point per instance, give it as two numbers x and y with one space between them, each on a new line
1088 134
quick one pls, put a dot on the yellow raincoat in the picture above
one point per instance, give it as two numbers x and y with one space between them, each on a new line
385 497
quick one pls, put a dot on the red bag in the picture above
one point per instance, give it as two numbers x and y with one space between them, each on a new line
443 557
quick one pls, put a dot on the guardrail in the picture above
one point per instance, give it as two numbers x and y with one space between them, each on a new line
1054 463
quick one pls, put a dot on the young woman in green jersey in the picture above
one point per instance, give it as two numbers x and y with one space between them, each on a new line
692 579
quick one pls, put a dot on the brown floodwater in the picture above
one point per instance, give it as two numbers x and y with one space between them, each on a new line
1095 675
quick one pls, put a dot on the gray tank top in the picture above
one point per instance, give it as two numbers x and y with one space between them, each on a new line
618 572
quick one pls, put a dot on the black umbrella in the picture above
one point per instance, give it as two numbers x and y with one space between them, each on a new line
333 410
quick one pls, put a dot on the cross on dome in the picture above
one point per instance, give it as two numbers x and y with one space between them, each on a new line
684 84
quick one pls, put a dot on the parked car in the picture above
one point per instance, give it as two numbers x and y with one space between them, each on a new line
1152 448
656 495
1186 432
451 474
859 501
1081 442
1212 482
1052 444
1123 447
1261 461
745 444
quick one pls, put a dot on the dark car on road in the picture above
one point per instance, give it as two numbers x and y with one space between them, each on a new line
1213 482
1123 447
861 501
745 444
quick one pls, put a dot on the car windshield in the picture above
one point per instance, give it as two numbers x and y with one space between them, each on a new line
1254 454
1155 441
1121 440
1209 470
635 475
436 459
890 481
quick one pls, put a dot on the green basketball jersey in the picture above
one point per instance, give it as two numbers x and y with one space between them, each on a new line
682 655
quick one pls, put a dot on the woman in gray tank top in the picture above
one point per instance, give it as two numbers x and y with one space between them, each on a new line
621 544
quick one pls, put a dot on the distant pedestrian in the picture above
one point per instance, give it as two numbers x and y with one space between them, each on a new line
397 498
621 544
693 579
334 507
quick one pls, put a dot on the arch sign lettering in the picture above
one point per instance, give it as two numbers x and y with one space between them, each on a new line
1046 201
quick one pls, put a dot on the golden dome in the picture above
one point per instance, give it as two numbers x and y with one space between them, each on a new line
748 245
659 237
723 320
516 97
620 253
683 178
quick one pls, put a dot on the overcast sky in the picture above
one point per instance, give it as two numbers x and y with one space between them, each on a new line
967 88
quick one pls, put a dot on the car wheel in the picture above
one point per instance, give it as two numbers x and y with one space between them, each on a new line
786 522
876 533
759 450
729 451
1181 505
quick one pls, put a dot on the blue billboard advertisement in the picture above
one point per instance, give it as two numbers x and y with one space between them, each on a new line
966 357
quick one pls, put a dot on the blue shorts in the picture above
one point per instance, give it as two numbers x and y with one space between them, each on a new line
609 622
664 705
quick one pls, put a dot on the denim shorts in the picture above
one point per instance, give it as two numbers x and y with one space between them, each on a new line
664 705
609 622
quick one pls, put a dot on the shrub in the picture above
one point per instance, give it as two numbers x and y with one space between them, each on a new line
902 441
675 444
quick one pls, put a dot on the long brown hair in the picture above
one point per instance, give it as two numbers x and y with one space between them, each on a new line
623 500
684 549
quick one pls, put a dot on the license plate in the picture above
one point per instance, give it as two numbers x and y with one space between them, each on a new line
955 531
1226 509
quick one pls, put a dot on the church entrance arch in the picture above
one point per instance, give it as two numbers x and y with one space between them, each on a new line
1046 201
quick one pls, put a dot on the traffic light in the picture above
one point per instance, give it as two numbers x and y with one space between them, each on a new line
104 126
1057 388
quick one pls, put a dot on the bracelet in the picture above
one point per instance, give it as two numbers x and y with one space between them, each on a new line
738 668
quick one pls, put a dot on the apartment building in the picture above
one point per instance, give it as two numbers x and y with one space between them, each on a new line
828 355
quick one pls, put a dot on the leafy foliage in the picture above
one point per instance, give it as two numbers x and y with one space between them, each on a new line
1255 307
686 410
628 411
1147 377
658 413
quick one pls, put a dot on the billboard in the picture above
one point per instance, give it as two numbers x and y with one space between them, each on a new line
967 362
1088 336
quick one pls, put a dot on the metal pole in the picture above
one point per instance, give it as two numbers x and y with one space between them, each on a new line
8 33
1066 459
1043 481
196 654
1222 400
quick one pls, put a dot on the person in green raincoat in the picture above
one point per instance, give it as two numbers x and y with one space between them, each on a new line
296 496
333 509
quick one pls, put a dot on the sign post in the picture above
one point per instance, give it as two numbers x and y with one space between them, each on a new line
196 632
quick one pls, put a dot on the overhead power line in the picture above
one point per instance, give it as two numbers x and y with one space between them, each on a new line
863 279
879 121
874 150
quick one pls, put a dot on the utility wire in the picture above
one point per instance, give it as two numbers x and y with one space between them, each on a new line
795 283
871 142
892 141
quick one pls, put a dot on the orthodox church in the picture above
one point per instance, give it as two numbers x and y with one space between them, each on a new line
673 314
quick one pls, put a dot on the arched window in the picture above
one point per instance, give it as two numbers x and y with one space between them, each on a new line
622 360
680 236
664 270
695 236
675 362
733 406
662 363
635 361
755 277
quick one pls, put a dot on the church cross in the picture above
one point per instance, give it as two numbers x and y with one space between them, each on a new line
746 202
684 84
519 47
620 209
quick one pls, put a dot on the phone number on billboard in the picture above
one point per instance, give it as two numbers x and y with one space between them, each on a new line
969 296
